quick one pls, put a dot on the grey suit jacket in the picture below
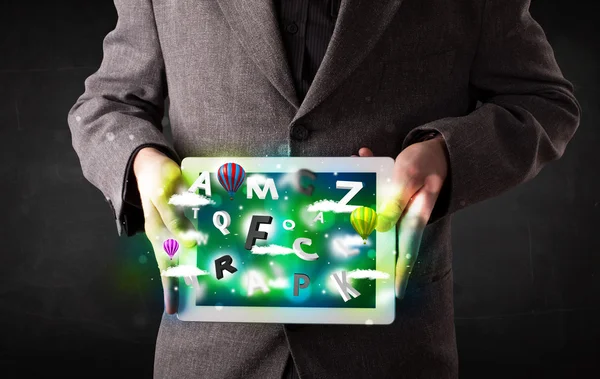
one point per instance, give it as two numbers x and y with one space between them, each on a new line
393 69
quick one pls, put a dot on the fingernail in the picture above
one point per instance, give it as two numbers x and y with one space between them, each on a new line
169 309
383 225
400 295
188 243
186 240
400 292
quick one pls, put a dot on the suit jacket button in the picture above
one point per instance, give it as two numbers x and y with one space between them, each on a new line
299 132
292 28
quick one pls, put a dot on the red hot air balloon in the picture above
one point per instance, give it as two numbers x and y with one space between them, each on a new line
231 176
171 246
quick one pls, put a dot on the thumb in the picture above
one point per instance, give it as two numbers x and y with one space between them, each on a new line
365 152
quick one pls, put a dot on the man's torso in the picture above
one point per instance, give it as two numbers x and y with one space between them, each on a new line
389 68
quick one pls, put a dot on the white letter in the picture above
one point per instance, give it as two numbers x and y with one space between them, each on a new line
343 286
253 186
195 212
255 281
301 254
354 187
203 182
202 238
222 226
291 225
319 217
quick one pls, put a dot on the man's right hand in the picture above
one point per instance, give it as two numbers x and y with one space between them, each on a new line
158 178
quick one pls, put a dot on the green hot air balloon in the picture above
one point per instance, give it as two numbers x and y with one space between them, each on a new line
363 220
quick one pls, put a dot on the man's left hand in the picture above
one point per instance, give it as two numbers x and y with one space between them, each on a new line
419 173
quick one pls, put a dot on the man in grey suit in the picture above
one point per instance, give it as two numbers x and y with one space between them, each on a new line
465 94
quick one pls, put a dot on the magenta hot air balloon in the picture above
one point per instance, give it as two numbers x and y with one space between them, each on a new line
171 246
231 176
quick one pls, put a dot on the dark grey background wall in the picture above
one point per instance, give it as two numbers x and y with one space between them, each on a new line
73 296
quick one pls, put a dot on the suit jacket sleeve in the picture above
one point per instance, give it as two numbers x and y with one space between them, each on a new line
122 108
527 117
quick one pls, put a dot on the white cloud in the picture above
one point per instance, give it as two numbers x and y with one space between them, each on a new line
286 179
278 283
352 240
330 206
345 246
367 274
190 199
199 237
183 271
272 250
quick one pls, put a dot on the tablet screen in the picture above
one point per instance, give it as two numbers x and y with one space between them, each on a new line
280 241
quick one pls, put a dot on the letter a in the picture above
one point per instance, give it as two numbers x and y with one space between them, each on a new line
319 218
256 281
203 182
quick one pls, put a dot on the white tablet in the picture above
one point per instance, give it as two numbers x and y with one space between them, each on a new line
286 240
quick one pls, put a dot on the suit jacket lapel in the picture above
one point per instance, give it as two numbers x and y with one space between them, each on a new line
359 26
257 28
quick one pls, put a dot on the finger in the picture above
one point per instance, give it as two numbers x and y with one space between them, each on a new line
410 233
174 219
365 152
403 189
171 295
157 233
354 155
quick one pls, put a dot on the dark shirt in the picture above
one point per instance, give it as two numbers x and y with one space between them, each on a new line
306 27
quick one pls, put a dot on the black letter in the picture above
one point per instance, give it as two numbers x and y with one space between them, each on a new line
305 190
224 263
254 233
